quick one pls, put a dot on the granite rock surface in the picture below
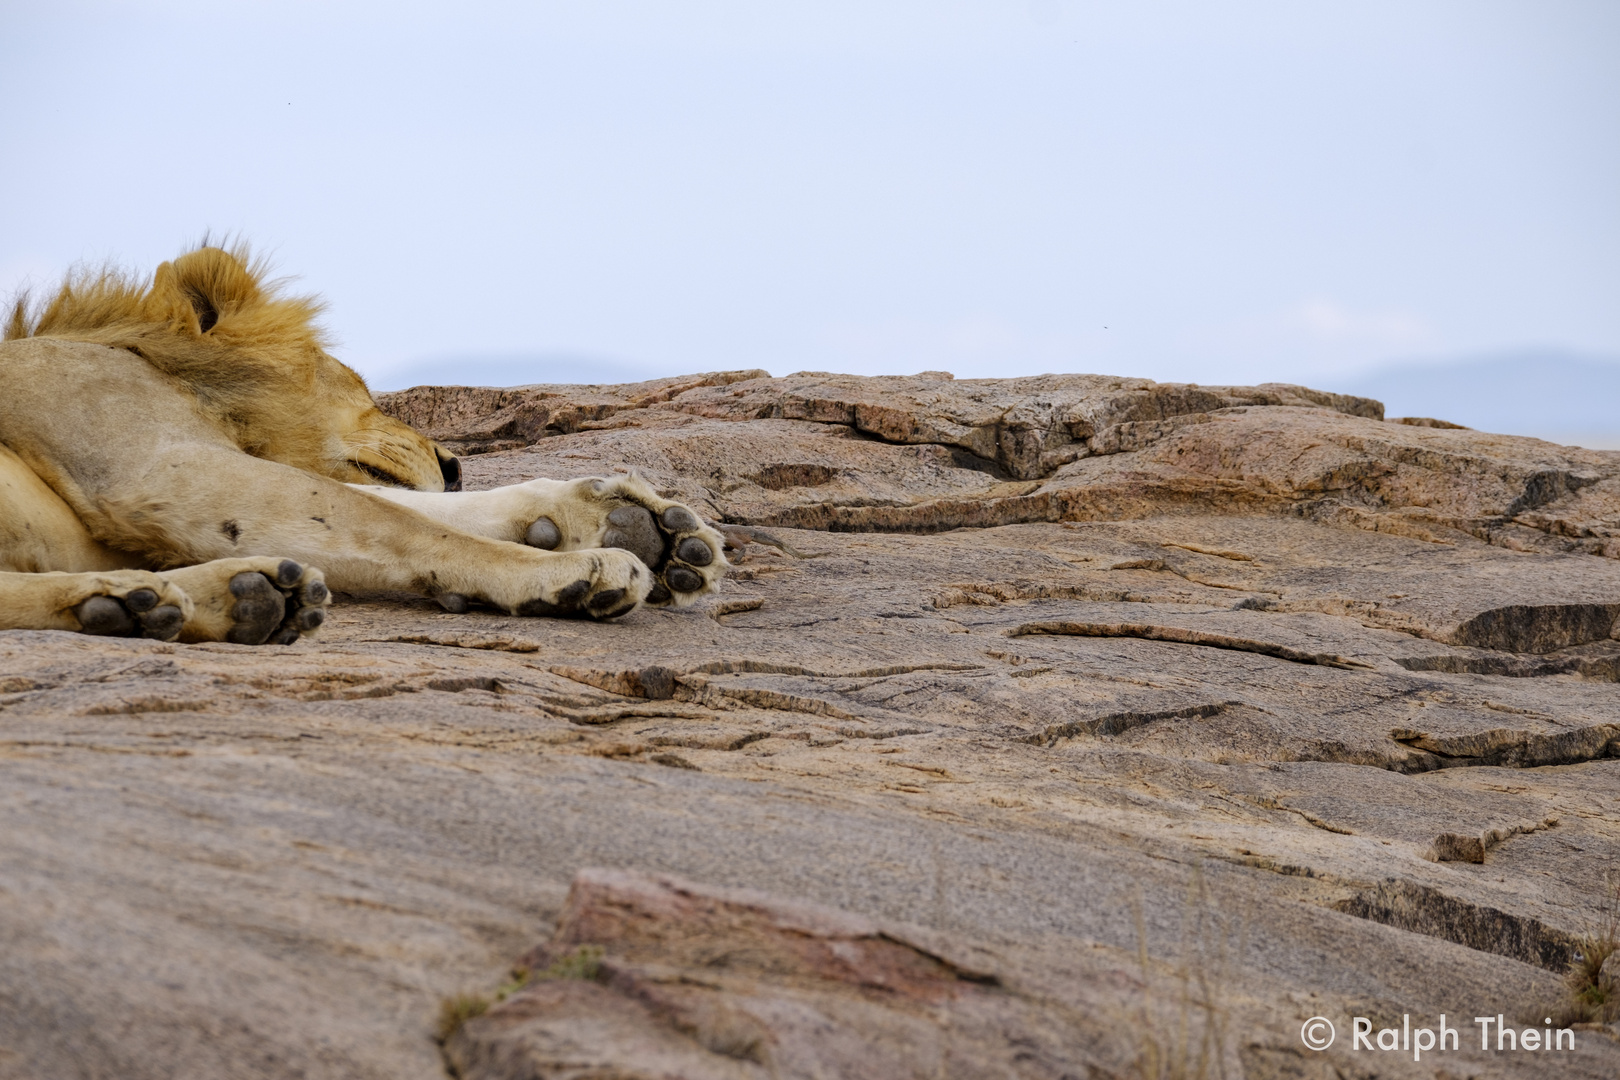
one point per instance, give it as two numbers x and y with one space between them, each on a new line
1070 726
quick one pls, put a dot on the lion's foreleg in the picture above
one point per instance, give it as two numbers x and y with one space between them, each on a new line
685 554
70 581
504 513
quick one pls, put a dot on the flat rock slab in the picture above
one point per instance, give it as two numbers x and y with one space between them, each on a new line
1267 710
1049 448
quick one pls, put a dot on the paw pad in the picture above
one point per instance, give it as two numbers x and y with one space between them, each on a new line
656 539
679 519
569 596
608 601
259 608
683 580
272 608
137 614
162 623
632 528
543 534
694 551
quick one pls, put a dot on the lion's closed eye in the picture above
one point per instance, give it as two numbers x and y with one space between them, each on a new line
378 476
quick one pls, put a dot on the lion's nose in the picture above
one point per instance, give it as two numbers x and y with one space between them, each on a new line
450 469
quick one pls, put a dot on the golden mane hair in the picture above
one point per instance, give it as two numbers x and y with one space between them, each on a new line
186 317
213 321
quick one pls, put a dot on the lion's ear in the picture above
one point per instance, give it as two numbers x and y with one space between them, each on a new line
201 287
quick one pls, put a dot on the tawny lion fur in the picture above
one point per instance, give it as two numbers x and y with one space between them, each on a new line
174 450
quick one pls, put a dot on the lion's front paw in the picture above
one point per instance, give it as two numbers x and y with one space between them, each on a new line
600 584
252 601
132 603
685 555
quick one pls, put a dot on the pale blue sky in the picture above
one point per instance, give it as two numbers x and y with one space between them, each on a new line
1209 191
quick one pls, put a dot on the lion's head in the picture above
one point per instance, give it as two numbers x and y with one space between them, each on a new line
254 358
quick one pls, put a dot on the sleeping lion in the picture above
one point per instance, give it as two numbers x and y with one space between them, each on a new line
180 458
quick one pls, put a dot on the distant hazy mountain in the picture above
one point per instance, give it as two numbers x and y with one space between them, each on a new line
1559 396
517 370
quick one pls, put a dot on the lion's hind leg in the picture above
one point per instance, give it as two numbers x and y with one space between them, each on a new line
55 576
252 601
243 601
114 603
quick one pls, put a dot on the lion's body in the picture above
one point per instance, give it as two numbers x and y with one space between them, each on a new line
146 427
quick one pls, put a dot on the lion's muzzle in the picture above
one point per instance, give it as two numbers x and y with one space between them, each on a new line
450 469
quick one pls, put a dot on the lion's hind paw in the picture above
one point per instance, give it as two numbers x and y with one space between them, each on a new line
276 610
254 601
133 604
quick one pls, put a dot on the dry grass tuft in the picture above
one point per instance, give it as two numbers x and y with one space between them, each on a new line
455 1011
584 963
1594 990
1194 1044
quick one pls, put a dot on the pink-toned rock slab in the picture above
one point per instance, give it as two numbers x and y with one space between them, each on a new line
699 982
